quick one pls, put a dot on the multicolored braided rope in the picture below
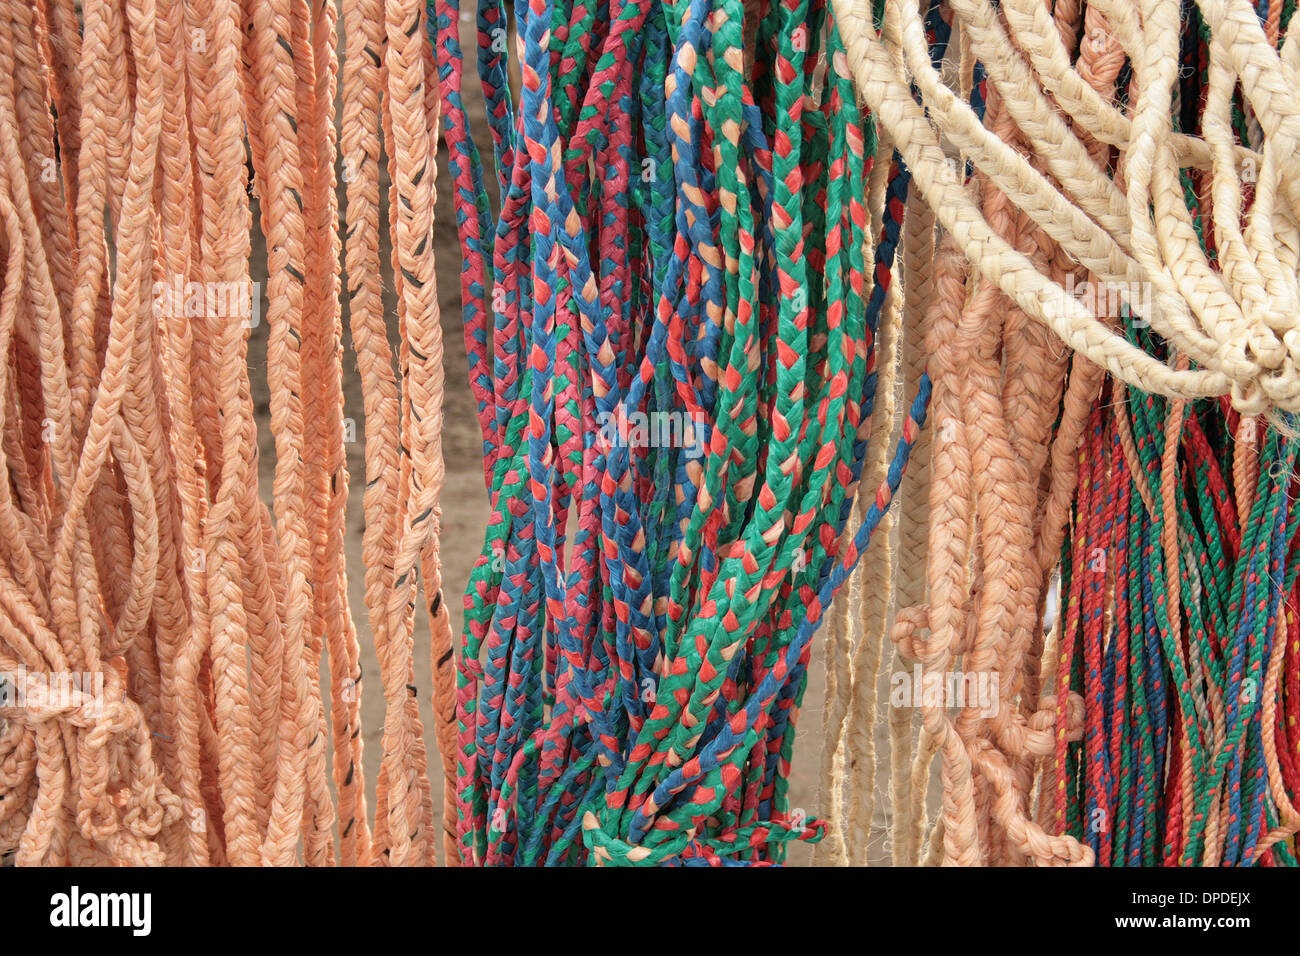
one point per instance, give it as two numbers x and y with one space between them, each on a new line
680 355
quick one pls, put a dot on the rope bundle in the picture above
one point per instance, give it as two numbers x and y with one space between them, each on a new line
138 556
1136 238
675 421
1146 516
742 253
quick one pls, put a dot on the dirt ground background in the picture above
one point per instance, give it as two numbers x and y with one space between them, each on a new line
464 501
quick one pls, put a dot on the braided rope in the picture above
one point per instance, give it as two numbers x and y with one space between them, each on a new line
1131 730
186 620
699 388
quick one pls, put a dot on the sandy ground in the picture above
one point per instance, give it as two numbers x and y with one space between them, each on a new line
464 500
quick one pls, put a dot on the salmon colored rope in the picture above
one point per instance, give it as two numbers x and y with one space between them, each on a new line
189 618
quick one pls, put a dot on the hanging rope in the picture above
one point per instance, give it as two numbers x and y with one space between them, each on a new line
1146 724
728 261
163 630
702 394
